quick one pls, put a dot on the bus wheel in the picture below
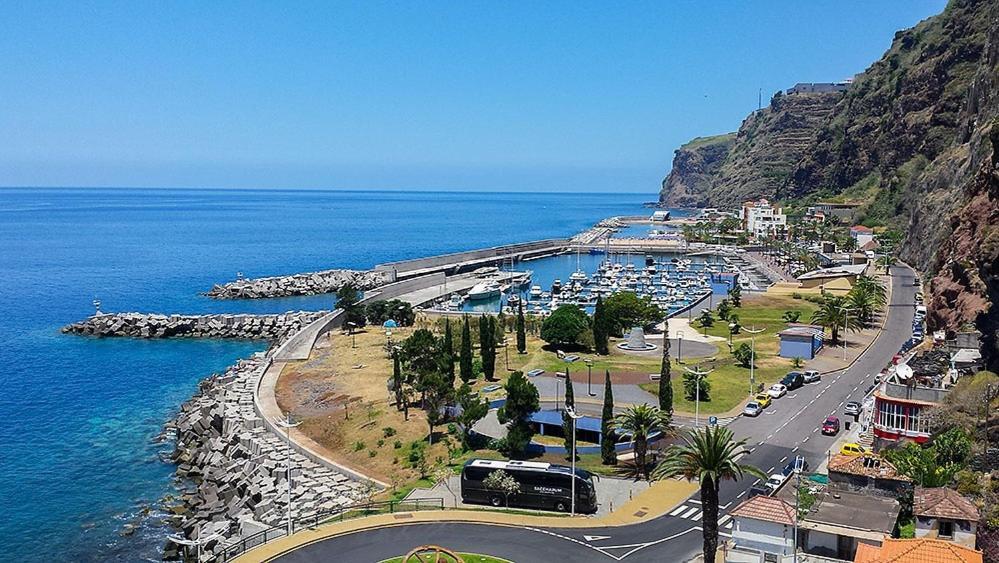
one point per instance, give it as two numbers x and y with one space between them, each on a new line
496 501
561 507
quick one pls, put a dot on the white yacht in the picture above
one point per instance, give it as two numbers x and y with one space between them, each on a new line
536 291
484 290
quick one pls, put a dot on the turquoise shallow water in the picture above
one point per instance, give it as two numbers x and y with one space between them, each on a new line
78 416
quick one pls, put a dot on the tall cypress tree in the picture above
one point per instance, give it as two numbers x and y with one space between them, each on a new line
521 329
601 333
570 403
665 377
465 355
448 353
397 380
607 452
487 338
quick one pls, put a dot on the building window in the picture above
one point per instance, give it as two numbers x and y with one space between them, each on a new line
891 415
946 530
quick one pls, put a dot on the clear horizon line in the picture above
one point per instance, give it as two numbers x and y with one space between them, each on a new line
292 189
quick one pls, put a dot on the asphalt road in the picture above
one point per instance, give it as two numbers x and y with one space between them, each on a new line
790 427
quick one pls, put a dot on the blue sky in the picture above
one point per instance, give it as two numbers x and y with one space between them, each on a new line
542 96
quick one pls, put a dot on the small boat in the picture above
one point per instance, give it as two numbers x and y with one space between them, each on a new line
535 291
556 286
578 276
484 290
513 300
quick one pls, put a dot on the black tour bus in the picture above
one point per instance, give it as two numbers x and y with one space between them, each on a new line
543 486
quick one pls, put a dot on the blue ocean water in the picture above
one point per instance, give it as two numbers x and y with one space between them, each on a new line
78 416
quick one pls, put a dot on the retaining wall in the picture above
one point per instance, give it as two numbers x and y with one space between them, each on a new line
405 268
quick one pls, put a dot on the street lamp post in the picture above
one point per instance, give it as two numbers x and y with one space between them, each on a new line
589 377
697 392
287 424
679 346
572 414
752 357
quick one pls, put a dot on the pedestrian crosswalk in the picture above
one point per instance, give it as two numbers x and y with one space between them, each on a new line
691 510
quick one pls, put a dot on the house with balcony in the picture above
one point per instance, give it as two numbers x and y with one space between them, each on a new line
761 219
902 404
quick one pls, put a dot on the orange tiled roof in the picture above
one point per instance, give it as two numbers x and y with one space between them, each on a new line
942 502
768 509
916 551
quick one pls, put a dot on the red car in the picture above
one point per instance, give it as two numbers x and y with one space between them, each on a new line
831 426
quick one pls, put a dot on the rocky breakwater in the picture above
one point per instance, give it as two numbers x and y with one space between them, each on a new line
142 325
233 471
312 283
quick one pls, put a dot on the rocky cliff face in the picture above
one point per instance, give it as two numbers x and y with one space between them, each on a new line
695 168
911 141
754 162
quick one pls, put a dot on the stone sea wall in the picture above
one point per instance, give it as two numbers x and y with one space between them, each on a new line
236 470
143 325
311 283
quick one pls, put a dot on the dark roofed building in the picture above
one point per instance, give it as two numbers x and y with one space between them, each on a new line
942 513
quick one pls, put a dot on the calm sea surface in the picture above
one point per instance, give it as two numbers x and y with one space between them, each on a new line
79 416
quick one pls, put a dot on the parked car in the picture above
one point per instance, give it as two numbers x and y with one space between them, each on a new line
853 407
777 390
811 376
775 481
799 463
752 409
793 380
763 399
853 449
831 426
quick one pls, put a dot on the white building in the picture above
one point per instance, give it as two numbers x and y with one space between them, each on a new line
762 530
761 219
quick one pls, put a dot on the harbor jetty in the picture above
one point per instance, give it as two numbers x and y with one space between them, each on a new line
235 470
144 325
308 283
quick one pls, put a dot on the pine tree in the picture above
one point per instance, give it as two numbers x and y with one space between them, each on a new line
601 332
521 329
488 350
465 359
665 378
448 352
607 452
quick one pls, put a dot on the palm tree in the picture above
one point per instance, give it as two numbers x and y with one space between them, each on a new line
708 455
871 286
867 297
832 314
887 261
640 421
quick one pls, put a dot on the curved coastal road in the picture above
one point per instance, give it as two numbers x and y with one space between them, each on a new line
790 427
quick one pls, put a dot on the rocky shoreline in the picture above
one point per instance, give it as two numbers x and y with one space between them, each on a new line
143 325
310 283
232 468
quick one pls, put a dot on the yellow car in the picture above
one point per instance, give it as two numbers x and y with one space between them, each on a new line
763 399
853 449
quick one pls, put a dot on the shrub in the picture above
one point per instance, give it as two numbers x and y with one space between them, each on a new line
381 443
795 295
372 453
397 445
388 431
358 446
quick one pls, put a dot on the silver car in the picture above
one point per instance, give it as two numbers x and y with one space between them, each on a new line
853 407
811 376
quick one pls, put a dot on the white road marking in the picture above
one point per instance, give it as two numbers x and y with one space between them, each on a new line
679 509
814 430
689 512
771 470
756 482
696 516
795 449
694 501
782 460
740 494
806 439
724 519
726 505
596 538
